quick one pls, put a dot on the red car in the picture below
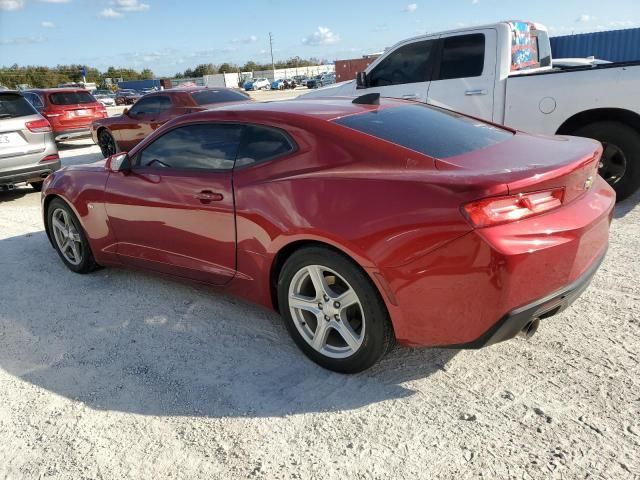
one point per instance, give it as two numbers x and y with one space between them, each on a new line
70 111
124 132
361 222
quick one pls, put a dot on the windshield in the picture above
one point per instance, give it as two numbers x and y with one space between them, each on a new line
71 98
14 105
431 131
206 97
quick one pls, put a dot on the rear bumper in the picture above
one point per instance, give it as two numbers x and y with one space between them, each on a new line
30 174
484 286
71 134
511 324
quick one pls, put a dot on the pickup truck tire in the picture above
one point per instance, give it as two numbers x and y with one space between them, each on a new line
620 165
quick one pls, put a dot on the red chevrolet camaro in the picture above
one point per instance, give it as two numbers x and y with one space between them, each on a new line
362 222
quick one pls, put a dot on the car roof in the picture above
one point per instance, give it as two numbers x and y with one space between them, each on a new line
325 109
57 90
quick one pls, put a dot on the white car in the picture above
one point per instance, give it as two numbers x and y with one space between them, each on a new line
504 73
105 100
261 83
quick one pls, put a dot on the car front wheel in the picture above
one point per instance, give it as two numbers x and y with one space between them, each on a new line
333 311
69 238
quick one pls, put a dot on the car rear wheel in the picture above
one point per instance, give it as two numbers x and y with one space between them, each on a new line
620 163
333 311
69 238
107 143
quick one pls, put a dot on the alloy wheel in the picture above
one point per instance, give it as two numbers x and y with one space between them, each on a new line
326 311
67 236
613 164
107 144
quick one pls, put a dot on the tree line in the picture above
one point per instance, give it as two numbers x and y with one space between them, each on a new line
45 77
251 66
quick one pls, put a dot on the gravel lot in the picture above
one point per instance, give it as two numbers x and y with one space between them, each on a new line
123 375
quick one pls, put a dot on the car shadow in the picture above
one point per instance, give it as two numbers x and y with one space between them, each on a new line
131 342
626 205
75 144
15 194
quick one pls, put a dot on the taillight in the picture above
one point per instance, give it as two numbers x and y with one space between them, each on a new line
50 158
510 208
39 126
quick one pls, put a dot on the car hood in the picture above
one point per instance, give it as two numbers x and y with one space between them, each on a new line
342 89
98 165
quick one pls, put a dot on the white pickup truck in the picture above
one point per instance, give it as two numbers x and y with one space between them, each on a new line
504 73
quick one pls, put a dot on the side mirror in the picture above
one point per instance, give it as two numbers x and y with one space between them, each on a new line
119 162
362 80
125 112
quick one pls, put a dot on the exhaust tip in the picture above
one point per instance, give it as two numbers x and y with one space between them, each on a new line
530 329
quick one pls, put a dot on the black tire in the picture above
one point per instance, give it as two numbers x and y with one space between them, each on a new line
106 142
87 263
622 153
378 336
37 186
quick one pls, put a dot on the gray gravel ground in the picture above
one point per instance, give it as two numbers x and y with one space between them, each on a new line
120 375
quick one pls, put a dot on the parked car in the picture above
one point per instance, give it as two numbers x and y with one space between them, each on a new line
505 73
28 152
127 97
106 100
289 83
123 132
244 197
301 80
277 84
258 84
314 82
70 111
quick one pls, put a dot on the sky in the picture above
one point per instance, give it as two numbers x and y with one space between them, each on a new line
168 36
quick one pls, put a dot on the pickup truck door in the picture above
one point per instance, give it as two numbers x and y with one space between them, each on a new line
464 75
403 73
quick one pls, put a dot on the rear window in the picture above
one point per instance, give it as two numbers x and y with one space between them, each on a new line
206 97
434 132
14 105
71 98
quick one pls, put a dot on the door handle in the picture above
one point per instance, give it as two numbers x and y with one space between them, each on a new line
207 196
479 91
410 96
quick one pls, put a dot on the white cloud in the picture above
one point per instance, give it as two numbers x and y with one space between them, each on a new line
55 1
11 4
322 36
475 2
412 7
131 5
46 24
110 13
621 23
584 18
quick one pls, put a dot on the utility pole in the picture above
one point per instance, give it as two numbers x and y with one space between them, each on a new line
273 66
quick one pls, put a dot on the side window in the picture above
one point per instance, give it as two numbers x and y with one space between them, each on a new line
260 144
144 105
408 64
462 56
34 100
163 103
199 146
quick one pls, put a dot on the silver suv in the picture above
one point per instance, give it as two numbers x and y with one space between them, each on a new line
28 152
